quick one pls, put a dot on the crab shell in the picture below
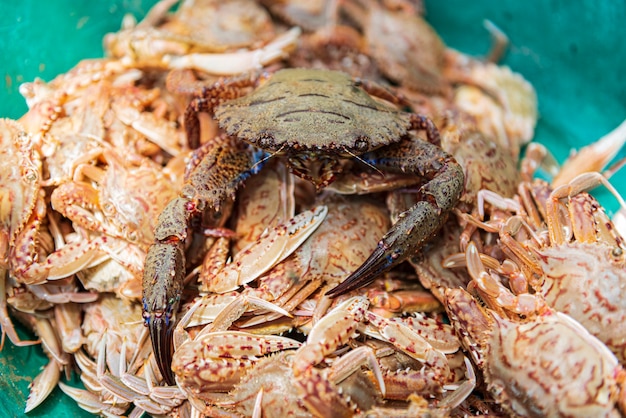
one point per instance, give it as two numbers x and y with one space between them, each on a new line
545 366
312 110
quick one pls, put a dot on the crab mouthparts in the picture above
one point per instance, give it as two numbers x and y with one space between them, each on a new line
319 170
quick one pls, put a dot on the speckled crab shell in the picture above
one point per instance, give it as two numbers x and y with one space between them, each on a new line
312 110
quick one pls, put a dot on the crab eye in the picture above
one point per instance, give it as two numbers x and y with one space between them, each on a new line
617 252
265 140
361 144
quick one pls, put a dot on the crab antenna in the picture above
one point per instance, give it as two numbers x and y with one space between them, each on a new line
370 165
267 157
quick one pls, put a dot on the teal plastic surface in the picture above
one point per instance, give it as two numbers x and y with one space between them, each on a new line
572 52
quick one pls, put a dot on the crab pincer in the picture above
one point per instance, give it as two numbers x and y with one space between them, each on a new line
216 172
420 222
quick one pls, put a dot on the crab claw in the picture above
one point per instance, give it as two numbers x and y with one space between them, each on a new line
378 262
396 246
422 220
162 287
161 332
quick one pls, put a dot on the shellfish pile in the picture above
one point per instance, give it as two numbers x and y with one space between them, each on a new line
512 307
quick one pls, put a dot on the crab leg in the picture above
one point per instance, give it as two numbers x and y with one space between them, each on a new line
220 169
410 342
416 225
216 94
216 360
240 61
6 325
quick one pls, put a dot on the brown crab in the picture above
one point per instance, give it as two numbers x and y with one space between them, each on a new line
315 118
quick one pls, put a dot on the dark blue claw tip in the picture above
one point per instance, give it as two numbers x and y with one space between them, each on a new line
377 263
161 333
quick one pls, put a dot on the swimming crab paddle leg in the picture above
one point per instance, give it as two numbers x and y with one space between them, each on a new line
416 225
218 173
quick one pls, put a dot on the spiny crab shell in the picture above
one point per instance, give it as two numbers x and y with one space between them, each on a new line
307 109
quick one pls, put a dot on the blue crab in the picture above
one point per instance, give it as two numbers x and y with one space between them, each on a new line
316 119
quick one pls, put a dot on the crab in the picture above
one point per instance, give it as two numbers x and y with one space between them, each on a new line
217 37
294 279
110 200
315 118
405 47
216 361
196 26
544 365
568 252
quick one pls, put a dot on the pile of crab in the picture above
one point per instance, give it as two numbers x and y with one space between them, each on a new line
311 208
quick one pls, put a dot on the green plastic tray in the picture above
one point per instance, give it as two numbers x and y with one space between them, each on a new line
572 52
